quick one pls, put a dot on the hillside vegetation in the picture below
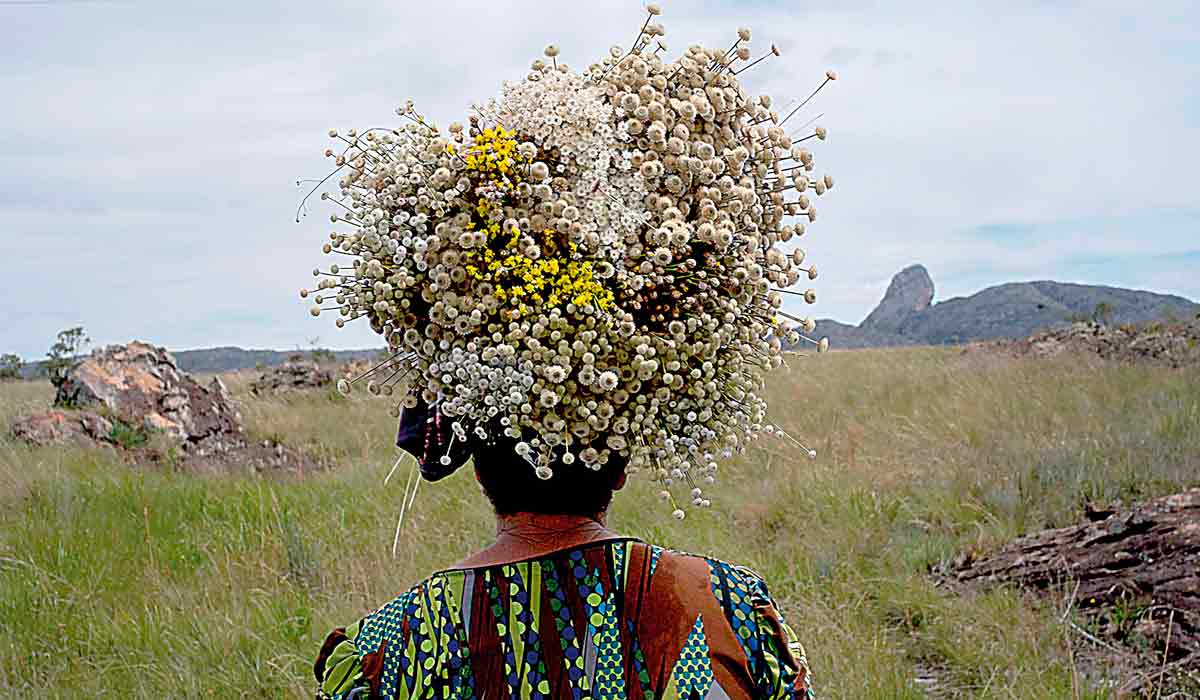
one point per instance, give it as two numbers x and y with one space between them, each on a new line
125 581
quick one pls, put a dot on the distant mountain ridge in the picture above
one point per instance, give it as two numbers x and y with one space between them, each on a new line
907 316
229 358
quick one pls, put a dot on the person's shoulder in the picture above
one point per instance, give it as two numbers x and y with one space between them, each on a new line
721 575
351 656
719 567
740 575
431 585
390 616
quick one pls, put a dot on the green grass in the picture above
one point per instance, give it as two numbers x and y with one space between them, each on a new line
124 581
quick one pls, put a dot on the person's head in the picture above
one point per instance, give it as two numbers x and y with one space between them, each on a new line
512 486
509 481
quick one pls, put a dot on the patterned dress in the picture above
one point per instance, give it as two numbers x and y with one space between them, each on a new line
611 619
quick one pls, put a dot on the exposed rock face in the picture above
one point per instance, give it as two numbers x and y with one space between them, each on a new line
293 375
141 385
910 292
54 426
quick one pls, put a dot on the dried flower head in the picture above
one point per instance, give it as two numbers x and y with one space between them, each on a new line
591 265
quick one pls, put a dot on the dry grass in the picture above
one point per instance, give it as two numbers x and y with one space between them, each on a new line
120 581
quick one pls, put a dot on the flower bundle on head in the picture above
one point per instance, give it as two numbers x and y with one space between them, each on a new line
593 264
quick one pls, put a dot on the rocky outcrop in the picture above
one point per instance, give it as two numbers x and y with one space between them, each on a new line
140 385
293 375
910 292
55 426
124 394
1170 344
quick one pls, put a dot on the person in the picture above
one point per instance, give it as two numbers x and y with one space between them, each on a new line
560 606
582 283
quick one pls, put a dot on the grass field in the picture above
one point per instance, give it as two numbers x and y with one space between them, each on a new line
118 581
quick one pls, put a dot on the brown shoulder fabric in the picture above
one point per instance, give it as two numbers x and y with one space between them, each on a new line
679 590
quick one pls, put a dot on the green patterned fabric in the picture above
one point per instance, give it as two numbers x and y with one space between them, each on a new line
599 621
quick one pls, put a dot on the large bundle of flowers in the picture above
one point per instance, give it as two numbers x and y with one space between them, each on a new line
593 264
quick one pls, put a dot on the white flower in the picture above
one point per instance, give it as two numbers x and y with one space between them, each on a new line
608 380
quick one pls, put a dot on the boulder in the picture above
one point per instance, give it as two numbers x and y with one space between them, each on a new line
141 385
55 426
293 375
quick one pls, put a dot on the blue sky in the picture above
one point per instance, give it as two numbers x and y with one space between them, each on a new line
149 150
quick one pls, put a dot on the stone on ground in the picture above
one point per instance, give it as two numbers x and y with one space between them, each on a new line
293 375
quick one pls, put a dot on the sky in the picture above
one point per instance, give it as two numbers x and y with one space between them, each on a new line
150 151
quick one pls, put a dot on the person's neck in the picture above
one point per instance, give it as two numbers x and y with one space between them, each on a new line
529 524
523 536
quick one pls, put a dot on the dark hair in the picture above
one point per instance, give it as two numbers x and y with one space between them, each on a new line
512 486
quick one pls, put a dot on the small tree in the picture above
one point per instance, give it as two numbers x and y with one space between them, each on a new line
1103 313
61 357
10 366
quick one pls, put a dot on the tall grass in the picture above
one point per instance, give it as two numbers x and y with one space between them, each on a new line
117 580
